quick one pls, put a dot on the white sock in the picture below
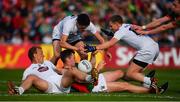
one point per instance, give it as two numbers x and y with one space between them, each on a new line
146 85
21 90
147 80
88 78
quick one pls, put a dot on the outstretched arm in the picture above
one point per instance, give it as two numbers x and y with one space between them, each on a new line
156 22
158 29
107 44
99 37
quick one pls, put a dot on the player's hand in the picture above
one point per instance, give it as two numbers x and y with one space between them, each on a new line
136 27
109 55
90 48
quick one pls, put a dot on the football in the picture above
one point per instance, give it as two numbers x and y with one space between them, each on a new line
85 66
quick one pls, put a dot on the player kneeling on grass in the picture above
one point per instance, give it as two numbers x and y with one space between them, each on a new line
44 76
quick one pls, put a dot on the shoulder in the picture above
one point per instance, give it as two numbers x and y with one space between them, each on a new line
47 62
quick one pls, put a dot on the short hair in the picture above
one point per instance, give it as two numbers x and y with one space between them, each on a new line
83 19
65 54
116 18
32 51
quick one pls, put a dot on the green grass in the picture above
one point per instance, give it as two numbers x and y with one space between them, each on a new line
172 94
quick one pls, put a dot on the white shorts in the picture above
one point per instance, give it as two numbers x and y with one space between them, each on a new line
148 54
101 87
54 83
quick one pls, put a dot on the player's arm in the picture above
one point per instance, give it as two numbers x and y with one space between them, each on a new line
64 44
158 29
107 44
99 37
156 22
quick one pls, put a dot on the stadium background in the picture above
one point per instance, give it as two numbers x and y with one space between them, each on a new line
24 23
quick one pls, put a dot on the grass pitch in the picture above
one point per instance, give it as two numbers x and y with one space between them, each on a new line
172 94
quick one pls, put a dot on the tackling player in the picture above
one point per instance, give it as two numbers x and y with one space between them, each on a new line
67 34
147 49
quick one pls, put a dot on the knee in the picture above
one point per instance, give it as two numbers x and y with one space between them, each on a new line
120 73
32 77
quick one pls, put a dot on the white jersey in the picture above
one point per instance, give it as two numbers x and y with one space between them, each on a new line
43 71
148 49
68 26
136 41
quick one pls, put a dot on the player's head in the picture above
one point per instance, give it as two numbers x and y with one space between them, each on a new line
115 22
36 55
83 21
176 6
67 57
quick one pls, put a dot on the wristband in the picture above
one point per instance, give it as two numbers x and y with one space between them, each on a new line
143 27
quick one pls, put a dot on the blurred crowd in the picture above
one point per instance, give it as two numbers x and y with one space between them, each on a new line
32 21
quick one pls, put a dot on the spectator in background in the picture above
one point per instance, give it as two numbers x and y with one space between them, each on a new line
35 12
157 26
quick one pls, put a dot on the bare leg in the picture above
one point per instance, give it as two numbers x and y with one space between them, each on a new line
124 86
135 72
113 75
40 84
71 75
56 49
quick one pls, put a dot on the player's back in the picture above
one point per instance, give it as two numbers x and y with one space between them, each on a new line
69 21
138 42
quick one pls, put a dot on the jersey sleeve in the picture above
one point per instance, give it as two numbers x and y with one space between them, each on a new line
92 28
66 28
119 34
51 65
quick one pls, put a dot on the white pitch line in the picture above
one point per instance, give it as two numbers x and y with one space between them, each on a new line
107 95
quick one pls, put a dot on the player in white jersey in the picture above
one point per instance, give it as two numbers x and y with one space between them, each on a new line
44 76
68 34
147 49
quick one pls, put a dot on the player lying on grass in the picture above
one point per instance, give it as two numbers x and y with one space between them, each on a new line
147 50
107 81
68 34
44 76
157 26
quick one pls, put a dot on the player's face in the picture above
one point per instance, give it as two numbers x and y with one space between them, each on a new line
81 28
70 61
39 56
114 26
